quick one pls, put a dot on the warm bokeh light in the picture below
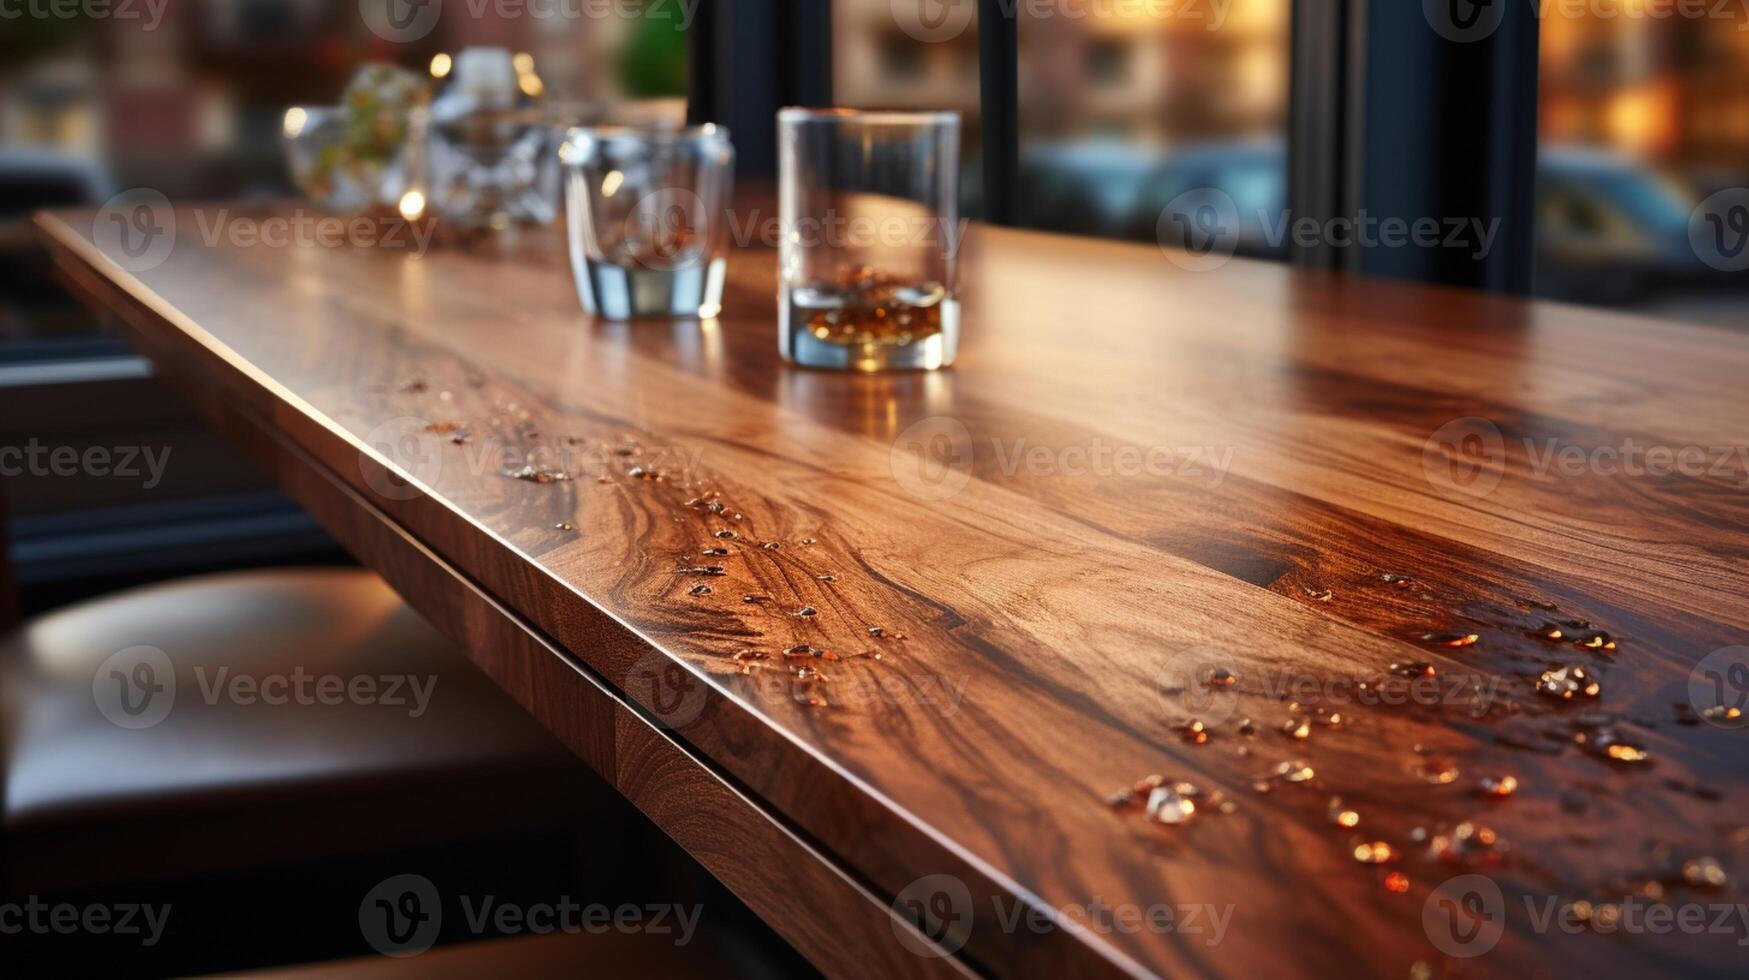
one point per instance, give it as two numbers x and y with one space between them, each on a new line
412 205
441 63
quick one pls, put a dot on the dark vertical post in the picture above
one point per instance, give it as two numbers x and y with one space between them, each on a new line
1324 133
809 42
1451 118
701 65
750 58
9 603
999 105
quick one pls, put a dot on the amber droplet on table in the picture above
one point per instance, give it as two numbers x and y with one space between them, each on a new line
1451 638
1499 787
1374 852
534 474
1567 683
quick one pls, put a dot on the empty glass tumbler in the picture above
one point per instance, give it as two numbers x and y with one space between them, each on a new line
646 213
869 217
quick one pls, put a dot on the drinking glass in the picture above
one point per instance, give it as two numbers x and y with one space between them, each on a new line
868 206
646 214
488 142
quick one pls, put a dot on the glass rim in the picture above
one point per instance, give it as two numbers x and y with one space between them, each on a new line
704 132
873 117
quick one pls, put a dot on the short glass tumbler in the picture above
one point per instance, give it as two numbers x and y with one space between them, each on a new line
868 205
646 214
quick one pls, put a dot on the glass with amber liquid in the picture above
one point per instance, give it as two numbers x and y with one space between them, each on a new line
869 213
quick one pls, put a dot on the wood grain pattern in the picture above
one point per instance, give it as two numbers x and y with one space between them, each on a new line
1049 625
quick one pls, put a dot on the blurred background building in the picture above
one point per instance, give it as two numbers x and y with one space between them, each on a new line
1644 114
1644 109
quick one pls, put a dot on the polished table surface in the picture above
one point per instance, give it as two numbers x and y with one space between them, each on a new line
1233 528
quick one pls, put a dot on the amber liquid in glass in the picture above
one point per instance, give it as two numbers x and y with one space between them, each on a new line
870 320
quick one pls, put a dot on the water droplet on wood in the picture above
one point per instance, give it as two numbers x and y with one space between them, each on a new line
1166 805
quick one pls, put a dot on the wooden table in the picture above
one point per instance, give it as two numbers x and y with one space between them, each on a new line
1261 499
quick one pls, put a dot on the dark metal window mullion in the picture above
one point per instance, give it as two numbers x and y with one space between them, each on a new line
999 106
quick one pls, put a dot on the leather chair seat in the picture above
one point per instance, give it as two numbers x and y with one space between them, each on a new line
307 707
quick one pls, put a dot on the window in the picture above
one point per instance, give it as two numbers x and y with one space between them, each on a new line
1644 158
882 60
1125 107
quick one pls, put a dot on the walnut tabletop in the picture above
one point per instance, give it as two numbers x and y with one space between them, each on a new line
1241 622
